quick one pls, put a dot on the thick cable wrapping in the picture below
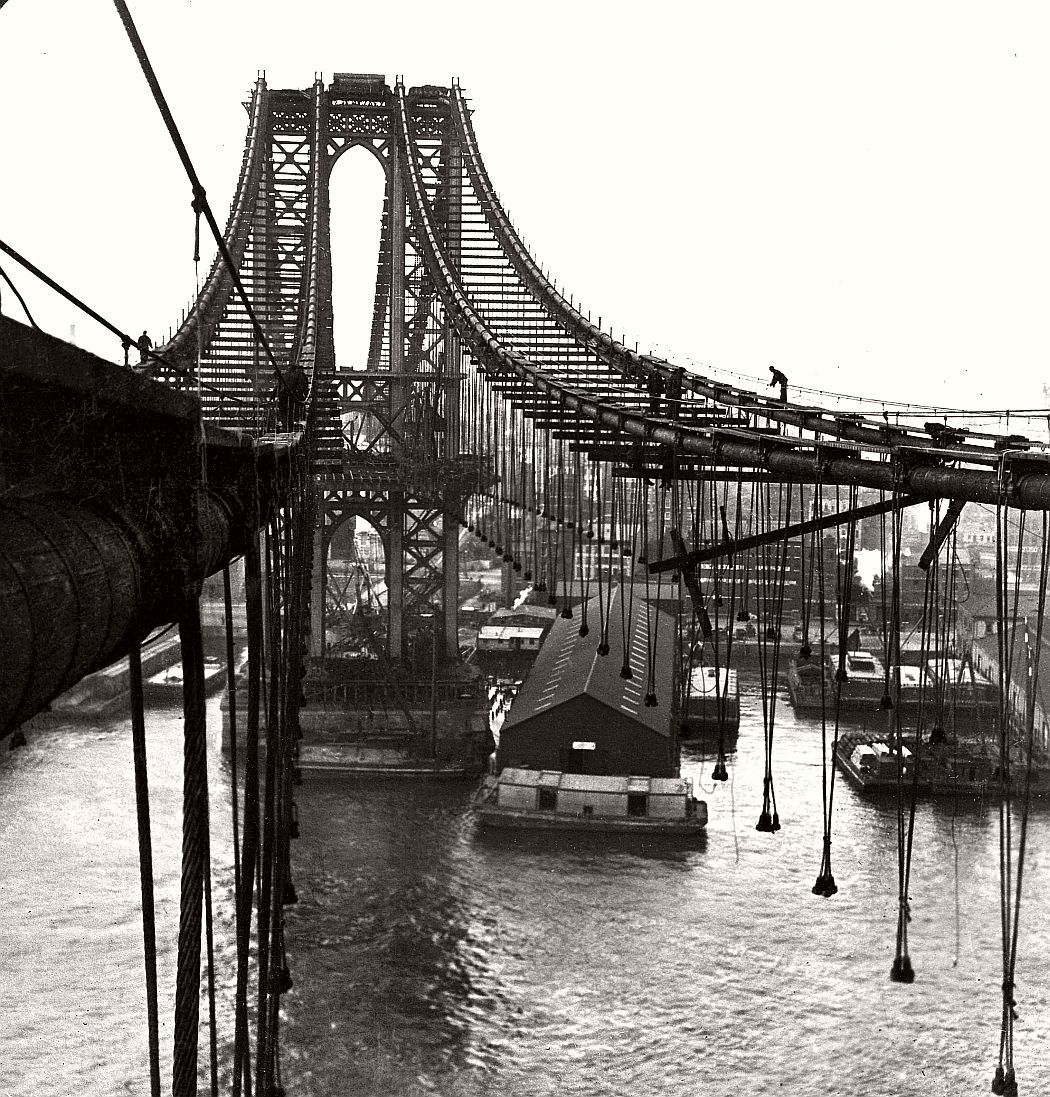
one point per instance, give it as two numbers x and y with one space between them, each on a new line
80 582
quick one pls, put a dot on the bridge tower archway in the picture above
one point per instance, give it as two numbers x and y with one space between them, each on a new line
393 416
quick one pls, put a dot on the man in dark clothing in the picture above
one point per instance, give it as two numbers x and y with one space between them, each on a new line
145 345
782 381
674 391
290 394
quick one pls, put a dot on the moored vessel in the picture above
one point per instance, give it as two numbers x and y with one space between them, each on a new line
713 703
166 685
552 800
872 765
813 683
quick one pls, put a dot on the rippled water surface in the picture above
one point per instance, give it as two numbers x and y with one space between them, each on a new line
430 957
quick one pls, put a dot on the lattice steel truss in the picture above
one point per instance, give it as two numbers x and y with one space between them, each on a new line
387 434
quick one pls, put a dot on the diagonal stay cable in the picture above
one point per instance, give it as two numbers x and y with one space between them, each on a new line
126 340
19 298
200 200
123 336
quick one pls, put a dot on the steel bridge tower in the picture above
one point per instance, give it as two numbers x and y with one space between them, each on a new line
388 433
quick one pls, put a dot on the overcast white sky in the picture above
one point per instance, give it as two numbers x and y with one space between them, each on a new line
857 194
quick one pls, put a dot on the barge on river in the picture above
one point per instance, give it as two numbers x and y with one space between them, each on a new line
588 742
165 686
552 800
875 766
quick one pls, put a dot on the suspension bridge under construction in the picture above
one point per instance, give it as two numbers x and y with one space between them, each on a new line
490 408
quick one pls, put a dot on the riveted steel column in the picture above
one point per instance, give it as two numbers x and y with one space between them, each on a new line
451 386
318 592
395 561
395 576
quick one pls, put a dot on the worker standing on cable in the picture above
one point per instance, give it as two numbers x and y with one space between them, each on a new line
145 345
782 381
674 388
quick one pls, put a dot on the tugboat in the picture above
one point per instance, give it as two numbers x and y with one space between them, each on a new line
809 681
805 681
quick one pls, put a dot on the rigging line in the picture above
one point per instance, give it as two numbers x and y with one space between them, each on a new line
585 539
209 936
194 846
142 805
612 555
200 200
889 403
650 630
779 580
231 693
126 340
599 469
928 607
901 969
19 298
824 878
73 299
267 861
1031 693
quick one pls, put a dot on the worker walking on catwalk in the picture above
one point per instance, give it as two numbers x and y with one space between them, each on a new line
782 381
145 345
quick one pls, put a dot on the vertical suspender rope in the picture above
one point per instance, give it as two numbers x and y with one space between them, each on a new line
194 846
149 929
1008 1079
209 936
232 711
901 970
249 857
266 861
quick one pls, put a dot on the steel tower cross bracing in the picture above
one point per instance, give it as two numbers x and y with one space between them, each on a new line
385 430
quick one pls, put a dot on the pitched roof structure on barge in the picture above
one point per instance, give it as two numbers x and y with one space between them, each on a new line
575 713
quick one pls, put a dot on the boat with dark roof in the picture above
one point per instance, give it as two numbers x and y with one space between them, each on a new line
588 741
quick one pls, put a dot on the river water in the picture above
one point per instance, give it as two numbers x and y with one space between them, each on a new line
431 958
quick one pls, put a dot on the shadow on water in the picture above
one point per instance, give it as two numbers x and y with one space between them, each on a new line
587 846
391 949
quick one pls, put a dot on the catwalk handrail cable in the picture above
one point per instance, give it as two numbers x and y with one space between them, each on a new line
919 471
126 340
200 199
631 363
216 291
